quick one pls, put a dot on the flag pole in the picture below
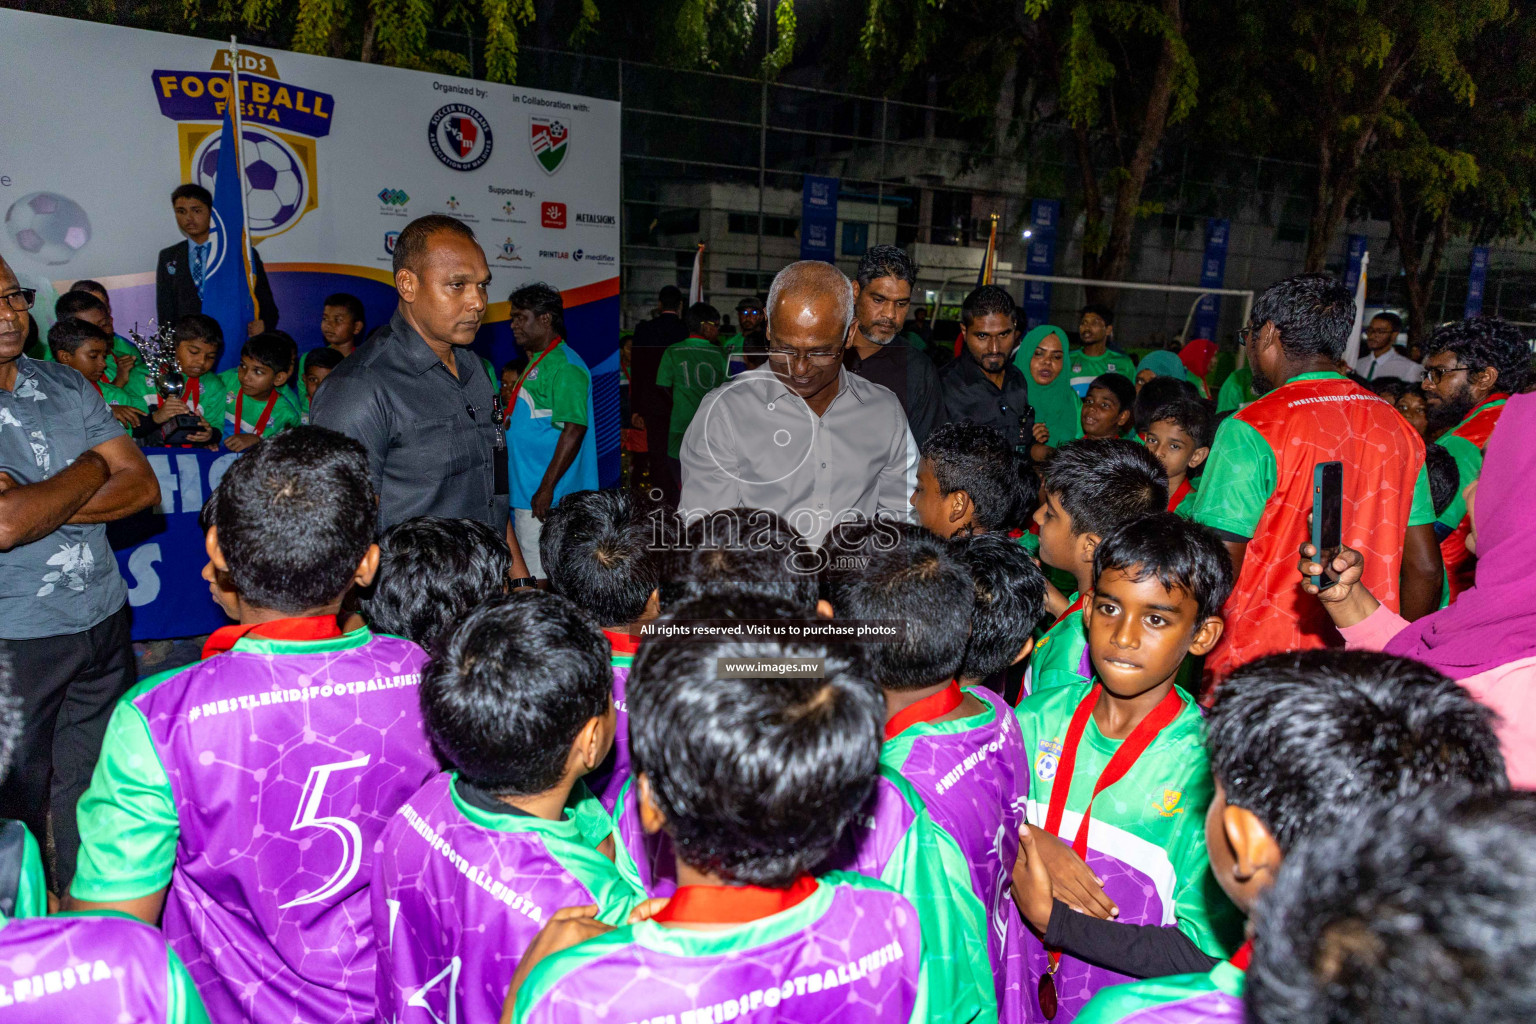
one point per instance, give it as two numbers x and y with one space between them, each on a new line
236 112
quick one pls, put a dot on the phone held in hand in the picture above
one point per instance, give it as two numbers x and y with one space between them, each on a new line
1327 518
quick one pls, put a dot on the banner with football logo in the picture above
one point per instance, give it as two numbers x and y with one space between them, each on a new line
338 156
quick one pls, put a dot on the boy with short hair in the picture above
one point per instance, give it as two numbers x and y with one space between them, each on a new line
1180 437
747 551
961 749
1299 744
318 365
432 572
518 703
342 323
1413 914
1010 597
1091 487
598 551
967 480
1158 587
83 347
244 794
1108 406
124 371
1093 355
199 339
259 408
755 780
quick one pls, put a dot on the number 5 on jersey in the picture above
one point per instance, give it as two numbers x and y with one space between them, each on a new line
308 816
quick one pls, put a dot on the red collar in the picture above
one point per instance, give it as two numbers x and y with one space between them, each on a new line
732 904
1178 495
622 643
310 627
1075 606
1243 956
926 710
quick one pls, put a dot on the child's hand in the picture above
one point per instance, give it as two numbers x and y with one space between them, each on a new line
124 367
1042 433
168 408
127 416
647 910
240 442
1072 880
564 929
202 436
1032 891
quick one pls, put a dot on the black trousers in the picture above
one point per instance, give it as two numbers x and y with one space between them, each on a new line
68 686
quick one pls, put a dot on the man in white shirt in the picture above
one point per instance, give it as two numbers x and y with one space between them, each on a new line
1382 360
801 436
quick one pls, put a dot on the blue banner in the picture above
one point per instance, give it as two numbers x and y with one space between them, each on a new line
818 219
1477 276
1213 271
1044 215
160 551
1357 246
226 288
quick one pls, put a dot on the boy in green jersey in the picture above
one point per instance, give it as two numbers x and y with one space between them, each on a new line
1158 588
690 369
84 348
1299 744
87 300
1091 487
967 482
1093 354
1108 406
1180 436
199 339
260 408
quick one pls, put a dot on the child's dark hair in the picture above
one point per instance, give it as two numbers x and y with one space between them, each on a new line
1103 482
1177 552
1444 476
1192 416
1010 594
922 583
758 777
76 302
1390 388
978 460
432 571
748 551
984 301
69 334
322 358
1118 385
351 303
198 327
516 682
296 514
1305 739
270 349
1156 393
1099 310
600 552
1416 912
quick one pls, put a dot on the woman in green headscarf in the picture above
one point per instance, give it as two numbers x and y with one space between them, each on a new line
1041 357
1160 363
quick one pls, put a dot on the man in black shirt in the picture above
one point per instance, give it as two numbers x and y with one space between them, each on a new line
983 386
878 352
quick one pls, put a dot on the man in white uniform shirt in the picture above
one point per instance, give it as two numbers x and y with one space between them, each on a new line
1380 359
801 436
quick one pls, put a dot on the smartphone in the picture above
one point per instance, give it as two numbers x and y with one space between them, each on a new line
1327 518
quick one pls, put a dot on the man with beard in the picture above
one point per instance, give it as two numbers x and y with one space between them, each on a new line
1471 369
879 352
982 385
748 349
1257 487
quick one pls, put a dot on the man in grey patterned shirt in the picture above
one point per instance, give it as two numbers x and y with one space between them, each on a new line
66 469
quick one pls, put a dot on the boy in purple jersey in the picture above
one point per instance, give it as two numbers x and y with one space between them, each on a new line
519 703
432 572
960 748
244 794
1298 744
754 779
600 552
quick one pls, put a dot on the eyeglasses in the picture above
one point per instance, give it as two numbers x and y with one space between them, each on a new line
1436 374
750 311
20 300
814 358
1247 332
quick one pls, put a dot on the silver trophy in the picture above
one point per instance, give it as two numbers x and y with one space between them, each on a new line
157 351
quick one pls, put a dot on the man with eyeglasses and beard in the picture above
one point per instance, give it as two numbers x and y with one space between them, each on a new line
802 436
879 351
66 470
1471 367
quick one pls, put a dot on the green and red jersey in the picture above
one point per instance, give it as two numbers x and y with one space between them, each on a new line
1466 443
1060 657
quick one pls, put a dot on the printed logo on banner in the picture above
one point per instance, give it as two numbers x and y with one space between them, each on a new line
390 238
552 215
550 139
596 218
282 123
460 137
509 252
591 257
393 196
452 203
553 254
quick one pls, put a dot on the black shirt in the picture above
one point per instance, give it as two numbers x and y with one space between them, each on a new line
429 435
970 397
910 374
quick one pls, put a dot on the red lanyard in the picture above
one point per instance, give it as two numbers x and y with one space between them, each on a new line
1119 764
1243 956
1075 606
935 705
732 904
519 385
625 643
1178 495
193 393
310 627
261 421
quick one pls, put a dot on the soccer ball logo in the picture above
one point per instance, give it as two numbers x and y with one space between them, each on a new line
275 182
48 227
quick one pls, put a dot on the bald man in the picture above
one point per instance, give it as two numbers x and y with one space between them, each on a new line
801 436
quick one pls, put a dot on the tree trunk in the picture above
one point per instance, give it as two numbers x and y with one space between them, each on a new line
370 35
1093 203
1419 269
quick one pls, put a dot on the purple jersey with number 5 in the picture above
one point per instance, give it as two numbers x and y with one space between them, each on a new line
77 969
285 767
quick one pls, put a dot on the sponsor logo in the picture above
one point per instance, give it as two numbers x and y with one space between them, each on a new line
552 215
393 196
553 254
591 257
596 218
1047 760
390 238
460 136
453 203
1168 806
509 252
550 139
507 208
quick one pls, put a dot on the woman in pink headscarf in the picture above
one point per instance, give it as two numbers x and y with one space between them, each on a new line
1487 639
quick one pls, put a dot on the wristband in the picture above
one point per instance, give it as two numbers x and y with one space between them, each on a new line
523 581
